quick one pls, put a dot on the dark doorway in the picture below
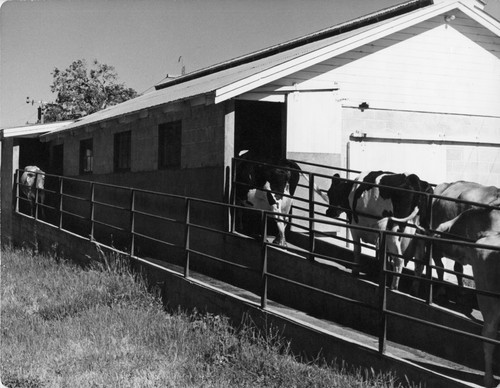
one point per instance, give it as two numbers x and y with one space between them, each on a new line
32 152
259 126
57 160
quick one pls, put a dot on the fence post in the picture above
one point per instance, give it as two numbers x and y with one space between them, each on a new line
428 255
233 211
312 240
263 301
232 198
36 195
18 182
382 289
132 223
186 238
92 208
60 201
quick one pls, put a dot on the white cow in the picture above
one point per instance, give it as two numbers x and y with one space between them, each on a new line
33 180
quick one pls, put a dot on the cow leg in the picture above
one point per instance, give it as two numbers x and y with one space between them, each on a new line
489 331
394 249
356 252
280 238
458 267
437 256
418 257
491 317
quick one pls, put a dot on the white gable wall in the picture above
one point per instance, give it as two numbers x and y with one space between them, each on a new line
432 82
429 67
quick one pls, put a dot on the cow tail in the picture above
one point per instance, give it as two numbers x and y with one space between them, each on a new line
316 188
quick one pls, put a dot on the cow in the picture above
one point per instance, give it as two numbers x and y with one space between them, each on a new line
32 186
444 210
366 204
266 184
483 227
396 246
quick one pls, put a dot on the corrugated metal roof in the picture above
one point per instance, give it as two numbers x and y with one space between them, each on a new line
338 29
208 81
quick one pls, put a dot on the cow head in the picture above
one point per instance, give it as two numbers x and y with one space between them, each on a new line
33 178
338 197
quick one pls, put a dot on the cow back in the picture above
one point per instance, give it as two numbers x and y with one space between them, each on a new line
398 197
444 210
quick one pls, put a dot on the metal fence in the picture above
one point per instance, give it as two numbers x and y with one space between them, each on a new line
73 205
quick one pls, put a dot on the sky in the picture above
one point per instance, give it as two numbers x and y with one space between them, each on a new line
147 39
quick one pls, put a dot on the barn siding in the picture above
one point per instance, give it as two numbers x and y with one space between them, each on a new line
435 159
430 67
431 82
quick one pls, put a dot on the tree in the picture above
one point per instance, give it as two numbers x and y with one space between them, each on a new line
81 91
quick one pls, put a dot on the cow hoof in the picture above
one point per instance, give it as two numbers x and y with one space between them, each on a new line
280 242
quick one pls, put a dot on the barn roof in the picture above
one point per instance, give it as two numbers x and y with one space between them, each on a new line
237 76
32 130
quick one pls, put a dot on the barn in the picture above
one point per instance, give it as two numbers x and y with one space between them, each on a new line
21 147
414 87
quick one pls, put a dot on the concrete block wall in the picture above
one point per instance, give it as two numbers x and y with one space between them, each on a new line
481 163
464 147
202 139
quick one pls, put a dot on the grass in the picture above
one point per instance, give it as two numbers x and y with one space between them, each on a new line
64 326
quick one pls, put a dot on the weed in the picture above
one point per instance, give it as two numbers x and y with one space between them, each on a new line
101 327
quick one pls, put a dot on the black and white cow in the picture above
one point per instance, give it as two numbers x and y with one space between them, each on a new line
366 205
33 181
266 184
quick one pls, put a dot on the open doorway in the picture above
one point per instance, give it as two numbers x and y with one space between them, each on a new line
260 127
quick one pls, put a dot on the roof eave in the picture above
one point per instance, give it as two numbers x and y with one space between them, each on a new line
350 43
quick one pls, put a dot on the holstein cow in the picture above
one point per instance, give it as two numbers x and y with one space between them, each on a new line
396 246
444 210
267 184
483 227
365 204
33 180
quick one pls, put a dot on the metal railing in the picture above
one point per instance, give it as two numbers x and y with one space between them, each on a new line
63 193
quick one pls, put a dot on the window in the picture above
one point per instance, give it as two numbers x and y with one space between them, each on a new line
169 144
122 151
86 156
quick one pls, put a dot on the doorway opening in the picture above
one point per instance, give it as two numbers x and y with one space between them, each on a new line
260 127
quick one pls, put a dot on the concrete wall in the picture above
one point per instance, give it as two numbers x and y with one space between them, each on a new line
438 147
203 134
7 168
206 132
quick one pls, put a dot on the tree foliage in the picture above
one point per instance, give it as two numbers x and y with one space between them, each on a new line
82 90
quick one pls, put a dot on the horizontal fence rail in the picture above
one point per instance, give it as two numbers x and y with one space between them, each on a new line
74 203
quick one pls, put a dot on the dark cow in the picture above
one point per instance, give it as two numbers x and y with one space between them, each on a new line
443 210
33 181
483 227
365 205
267 184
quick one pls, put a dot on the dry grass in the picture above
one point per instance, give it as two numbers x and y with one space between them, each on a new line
67 327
